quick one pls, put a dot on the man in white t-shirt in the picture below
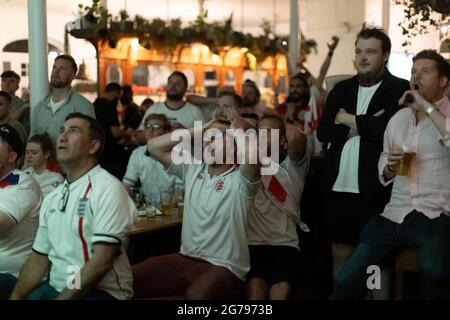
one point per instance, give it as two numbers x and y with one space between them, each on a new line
180 113
82 235
142 167
20 199
214 258
272 222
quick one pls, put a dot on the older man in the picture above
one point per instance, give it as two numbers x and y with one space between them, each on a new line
83 226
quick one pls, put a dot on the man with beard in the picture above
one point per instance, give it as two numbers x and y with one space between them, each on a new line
49 114
351 128
251 97
179 112
296 104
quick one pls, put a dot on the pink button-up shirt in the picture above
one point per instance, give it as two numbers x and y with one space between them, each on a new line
427 188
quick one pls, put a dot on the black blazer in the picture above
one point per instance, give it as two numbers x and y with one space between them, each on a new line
370 128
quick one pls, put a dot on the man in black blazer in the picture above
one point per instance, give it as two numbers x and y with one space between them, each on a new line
351 128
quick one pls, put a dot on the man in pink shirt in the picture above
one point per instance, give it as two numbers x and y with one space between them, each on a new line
418 213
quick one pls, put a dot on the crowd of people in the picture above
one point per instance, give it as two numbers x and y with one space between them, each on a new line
65 182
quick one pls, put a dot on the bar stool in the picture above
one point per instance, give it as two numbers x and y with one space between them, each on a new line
405 260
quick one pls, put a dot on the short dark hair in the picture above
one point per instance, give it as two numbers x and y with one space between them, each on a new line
181 75
113 87
70 59
96 130
159 116
441 64
6 96
236 98
10 74
303 77
45 142
275 117
252 84
377 33
147 101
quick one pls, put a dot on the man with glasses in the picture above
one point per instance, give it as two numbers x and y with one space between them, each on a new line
214 258
144 168
351 128
20 200
82 235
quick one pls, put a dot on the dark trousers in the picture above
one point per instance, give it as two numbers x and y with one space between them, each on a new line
381 236
175 274
7 283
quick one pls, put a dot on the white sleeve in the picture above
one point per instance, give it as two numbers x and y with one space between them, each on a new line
41 244
132 174
18 201
382 162
113 213
178 170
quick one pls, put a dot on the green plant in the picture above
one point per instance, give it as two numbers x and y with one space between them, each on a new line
96 14
418 17
166 36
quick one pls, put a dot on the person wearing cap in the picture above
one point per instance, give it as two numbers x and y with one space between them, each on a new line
20 200
10 84
49 114
5 118
83 226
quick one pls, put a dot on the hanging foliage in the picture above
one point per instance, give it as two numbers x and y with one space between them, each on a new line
161 35
418 16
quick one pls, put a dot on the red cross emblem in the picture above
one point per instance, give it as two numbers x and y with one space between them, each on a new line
219 185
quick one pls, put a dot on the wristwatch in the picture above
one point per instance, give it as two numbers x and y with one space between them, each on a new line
429 110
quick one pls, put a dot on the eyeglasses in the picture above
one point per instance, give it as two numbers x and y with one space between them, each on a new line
150 126
4 129
62 204
213 134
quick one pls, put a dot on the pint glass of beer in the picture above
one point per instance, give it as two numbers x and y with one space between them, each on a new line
403 167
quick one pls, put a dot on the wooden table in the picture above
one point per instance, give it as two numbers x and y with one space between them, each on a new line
144 225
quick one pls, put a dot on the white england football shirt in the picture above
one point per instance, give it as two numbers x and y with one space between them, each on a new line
20 199
98 211
215 216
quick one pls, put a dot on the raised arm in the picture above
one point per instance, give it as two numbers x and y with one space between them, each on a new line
251 171
441 121
201 101
296 143
326 63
